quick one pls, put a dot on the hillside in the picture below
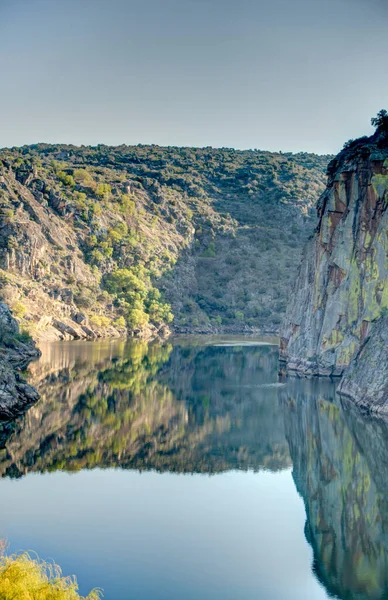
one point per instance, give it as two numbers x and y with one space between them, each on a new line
98 240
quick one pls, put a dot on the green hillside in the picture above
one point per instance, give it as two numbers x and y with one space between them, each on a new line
95 240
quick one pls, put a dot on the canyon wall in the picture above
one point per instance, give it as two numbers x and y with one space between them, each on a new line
341 290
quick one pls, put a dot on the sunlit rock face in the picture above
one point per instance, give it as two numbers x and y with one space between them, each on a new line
340 468
342 286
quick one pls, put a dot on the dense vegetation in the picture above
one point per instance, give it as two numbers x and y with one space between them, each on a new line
209 236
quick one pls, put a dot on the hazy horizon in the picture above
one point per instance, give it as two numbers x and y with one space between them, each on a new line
301 76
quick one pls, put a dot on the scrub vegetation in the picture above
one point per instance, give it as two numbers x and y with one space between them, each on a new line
146 237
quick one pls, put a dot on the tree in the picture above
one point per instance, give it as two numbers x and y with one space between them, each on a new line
137 319
381 121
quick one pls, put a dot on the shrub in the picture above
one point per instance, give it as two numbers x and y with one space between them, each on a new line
119 231
66 179
84 178
125 281
95 209
24 337
24 577
120 323
8 215
127 206
19 310
80 201
100 321
137 319
103 190
210 251
85 298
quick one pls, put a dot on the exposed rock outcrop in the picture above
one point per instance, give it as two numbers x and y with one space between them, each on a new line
15 353
366 379
342 286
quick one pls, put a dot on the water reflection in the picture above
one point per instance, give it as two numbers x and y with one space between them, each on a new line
211 407
181 407
340 468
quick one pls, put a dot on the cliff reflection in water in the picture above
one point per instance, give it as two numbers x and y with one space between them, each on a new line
181 407
340 468
208 408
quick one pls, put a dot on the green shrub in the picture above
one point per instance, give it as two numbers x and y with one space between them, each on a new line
103 190
24 337
127 206
126 282
8 215
136 319
210 251
66 179
97 257
19 310
84 178
120 323
100 321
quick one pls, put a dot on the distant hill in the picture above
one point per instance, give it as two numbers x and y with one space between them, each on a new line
97 240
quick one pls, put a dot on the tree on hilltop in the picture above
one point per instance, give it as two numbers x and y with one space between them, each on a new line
381 121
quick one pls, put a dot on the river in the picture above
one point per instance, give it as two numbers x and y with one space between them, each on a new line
186 470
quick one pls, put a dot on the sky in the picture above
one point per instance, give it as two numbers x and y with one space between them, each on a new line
290 75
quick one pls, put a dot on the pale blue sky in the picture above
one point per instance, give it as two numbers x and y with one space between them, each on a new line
279 74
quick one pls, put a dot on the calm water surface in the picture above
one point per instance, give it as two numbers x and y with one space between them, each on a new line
186 471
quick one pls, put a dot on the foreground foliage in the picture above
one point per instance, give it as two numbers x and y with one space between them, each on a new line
23 577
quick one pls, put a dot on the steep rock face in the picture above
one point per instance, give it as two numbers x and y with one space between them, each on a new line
366 379
342 286
39 257
15 393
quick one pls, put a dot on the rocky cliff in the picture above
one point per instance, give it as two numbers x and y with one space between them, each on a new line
16 351
366 379
342 286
